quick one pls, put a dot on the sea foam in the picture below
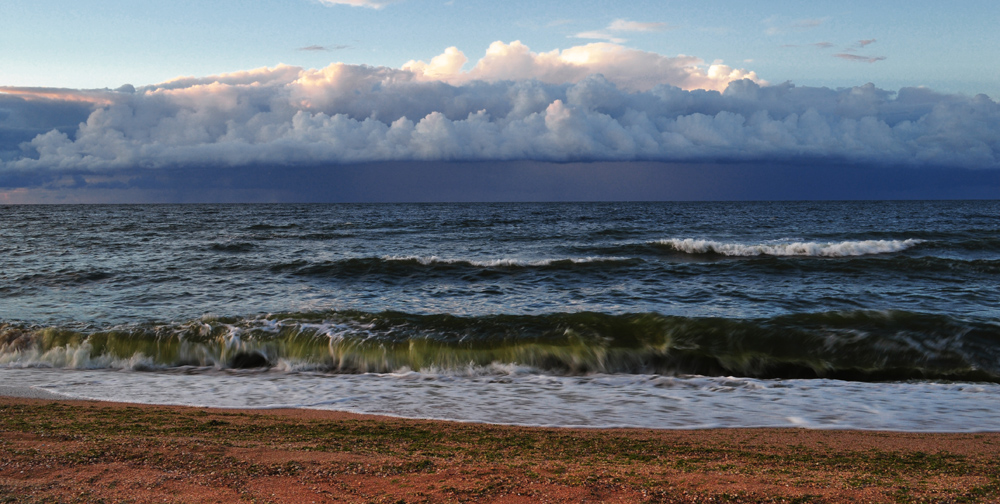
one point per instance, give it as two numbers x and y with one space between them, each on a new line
502 262
811 249
525 398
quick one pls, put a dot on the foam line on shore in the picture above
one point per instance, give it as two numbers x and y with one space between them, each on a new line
28 392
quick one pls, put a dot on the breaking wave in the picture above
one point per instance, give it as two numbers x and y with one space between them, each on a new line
855 345
810 249
504 263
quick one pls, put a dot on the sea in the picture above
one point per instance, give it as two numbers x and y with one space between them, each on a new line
879 315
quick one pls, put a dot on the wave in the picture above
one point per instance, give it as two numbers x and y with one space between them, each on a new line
263 226
854 345
981 243
505 263
930 267
232 247
808 249
408 265
64 277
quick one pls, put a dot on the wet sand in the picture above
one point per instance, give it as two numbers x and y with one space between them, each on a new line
81 451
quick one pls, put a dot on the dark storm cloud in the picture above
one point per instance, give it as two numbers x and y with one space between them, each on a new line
22 120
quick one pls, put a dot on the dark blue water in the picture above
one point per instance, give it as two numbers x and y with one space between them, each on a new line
868 291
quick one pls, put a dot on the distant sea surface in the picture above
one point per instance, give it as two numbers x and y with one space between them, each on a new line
871 315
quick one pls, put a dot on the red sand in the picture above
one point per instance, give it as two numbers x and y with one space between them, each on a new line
76 451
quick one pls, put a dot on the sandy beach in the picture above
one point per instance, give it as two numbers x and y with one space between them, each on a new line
80 451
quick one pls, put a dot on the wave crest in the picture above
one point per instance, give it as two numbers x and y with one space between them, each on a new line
808 249
502 263
854 345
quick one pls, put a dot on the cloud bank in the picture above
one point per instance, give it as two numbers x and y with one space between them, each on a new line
599 102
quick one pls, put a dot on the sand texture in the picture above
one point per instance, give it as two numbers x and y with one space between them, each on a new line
75 451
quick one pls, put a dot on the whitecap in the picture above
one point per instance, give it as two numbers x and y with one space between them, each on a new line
801 248
501 262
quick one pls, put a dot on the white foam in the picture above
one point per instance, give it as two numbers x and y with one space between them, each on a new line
72 357
814 249
503 262
519 396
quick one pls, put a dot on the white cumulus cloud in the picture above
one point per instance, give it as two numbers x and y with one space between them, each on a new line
629 69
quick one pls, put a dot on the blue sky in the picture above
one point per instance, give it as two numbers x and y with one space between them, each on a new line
94 44
147 101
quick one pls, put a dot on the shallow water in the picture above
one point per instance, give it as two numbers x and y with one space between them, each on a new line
524 398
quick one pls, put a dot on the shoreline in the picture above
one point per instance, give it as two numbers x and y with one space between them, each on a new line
593 401
28 393
56 449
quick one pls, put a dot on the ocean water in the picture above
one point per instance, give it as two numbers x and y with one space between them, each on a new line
871 315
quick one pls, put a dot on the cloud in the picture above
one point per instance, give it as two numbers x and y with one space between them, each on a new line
372 4
635 26
855 57
621 25
90 96
445 67
848 52
324 48
629 69
512 105
600 35
820 45
25 117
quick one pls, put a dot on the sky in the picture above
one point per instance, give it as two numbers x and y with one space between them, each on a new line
363 100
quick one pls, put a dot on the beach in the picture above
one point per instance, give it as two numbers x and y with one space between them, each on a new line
602 352
332 251
83 451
